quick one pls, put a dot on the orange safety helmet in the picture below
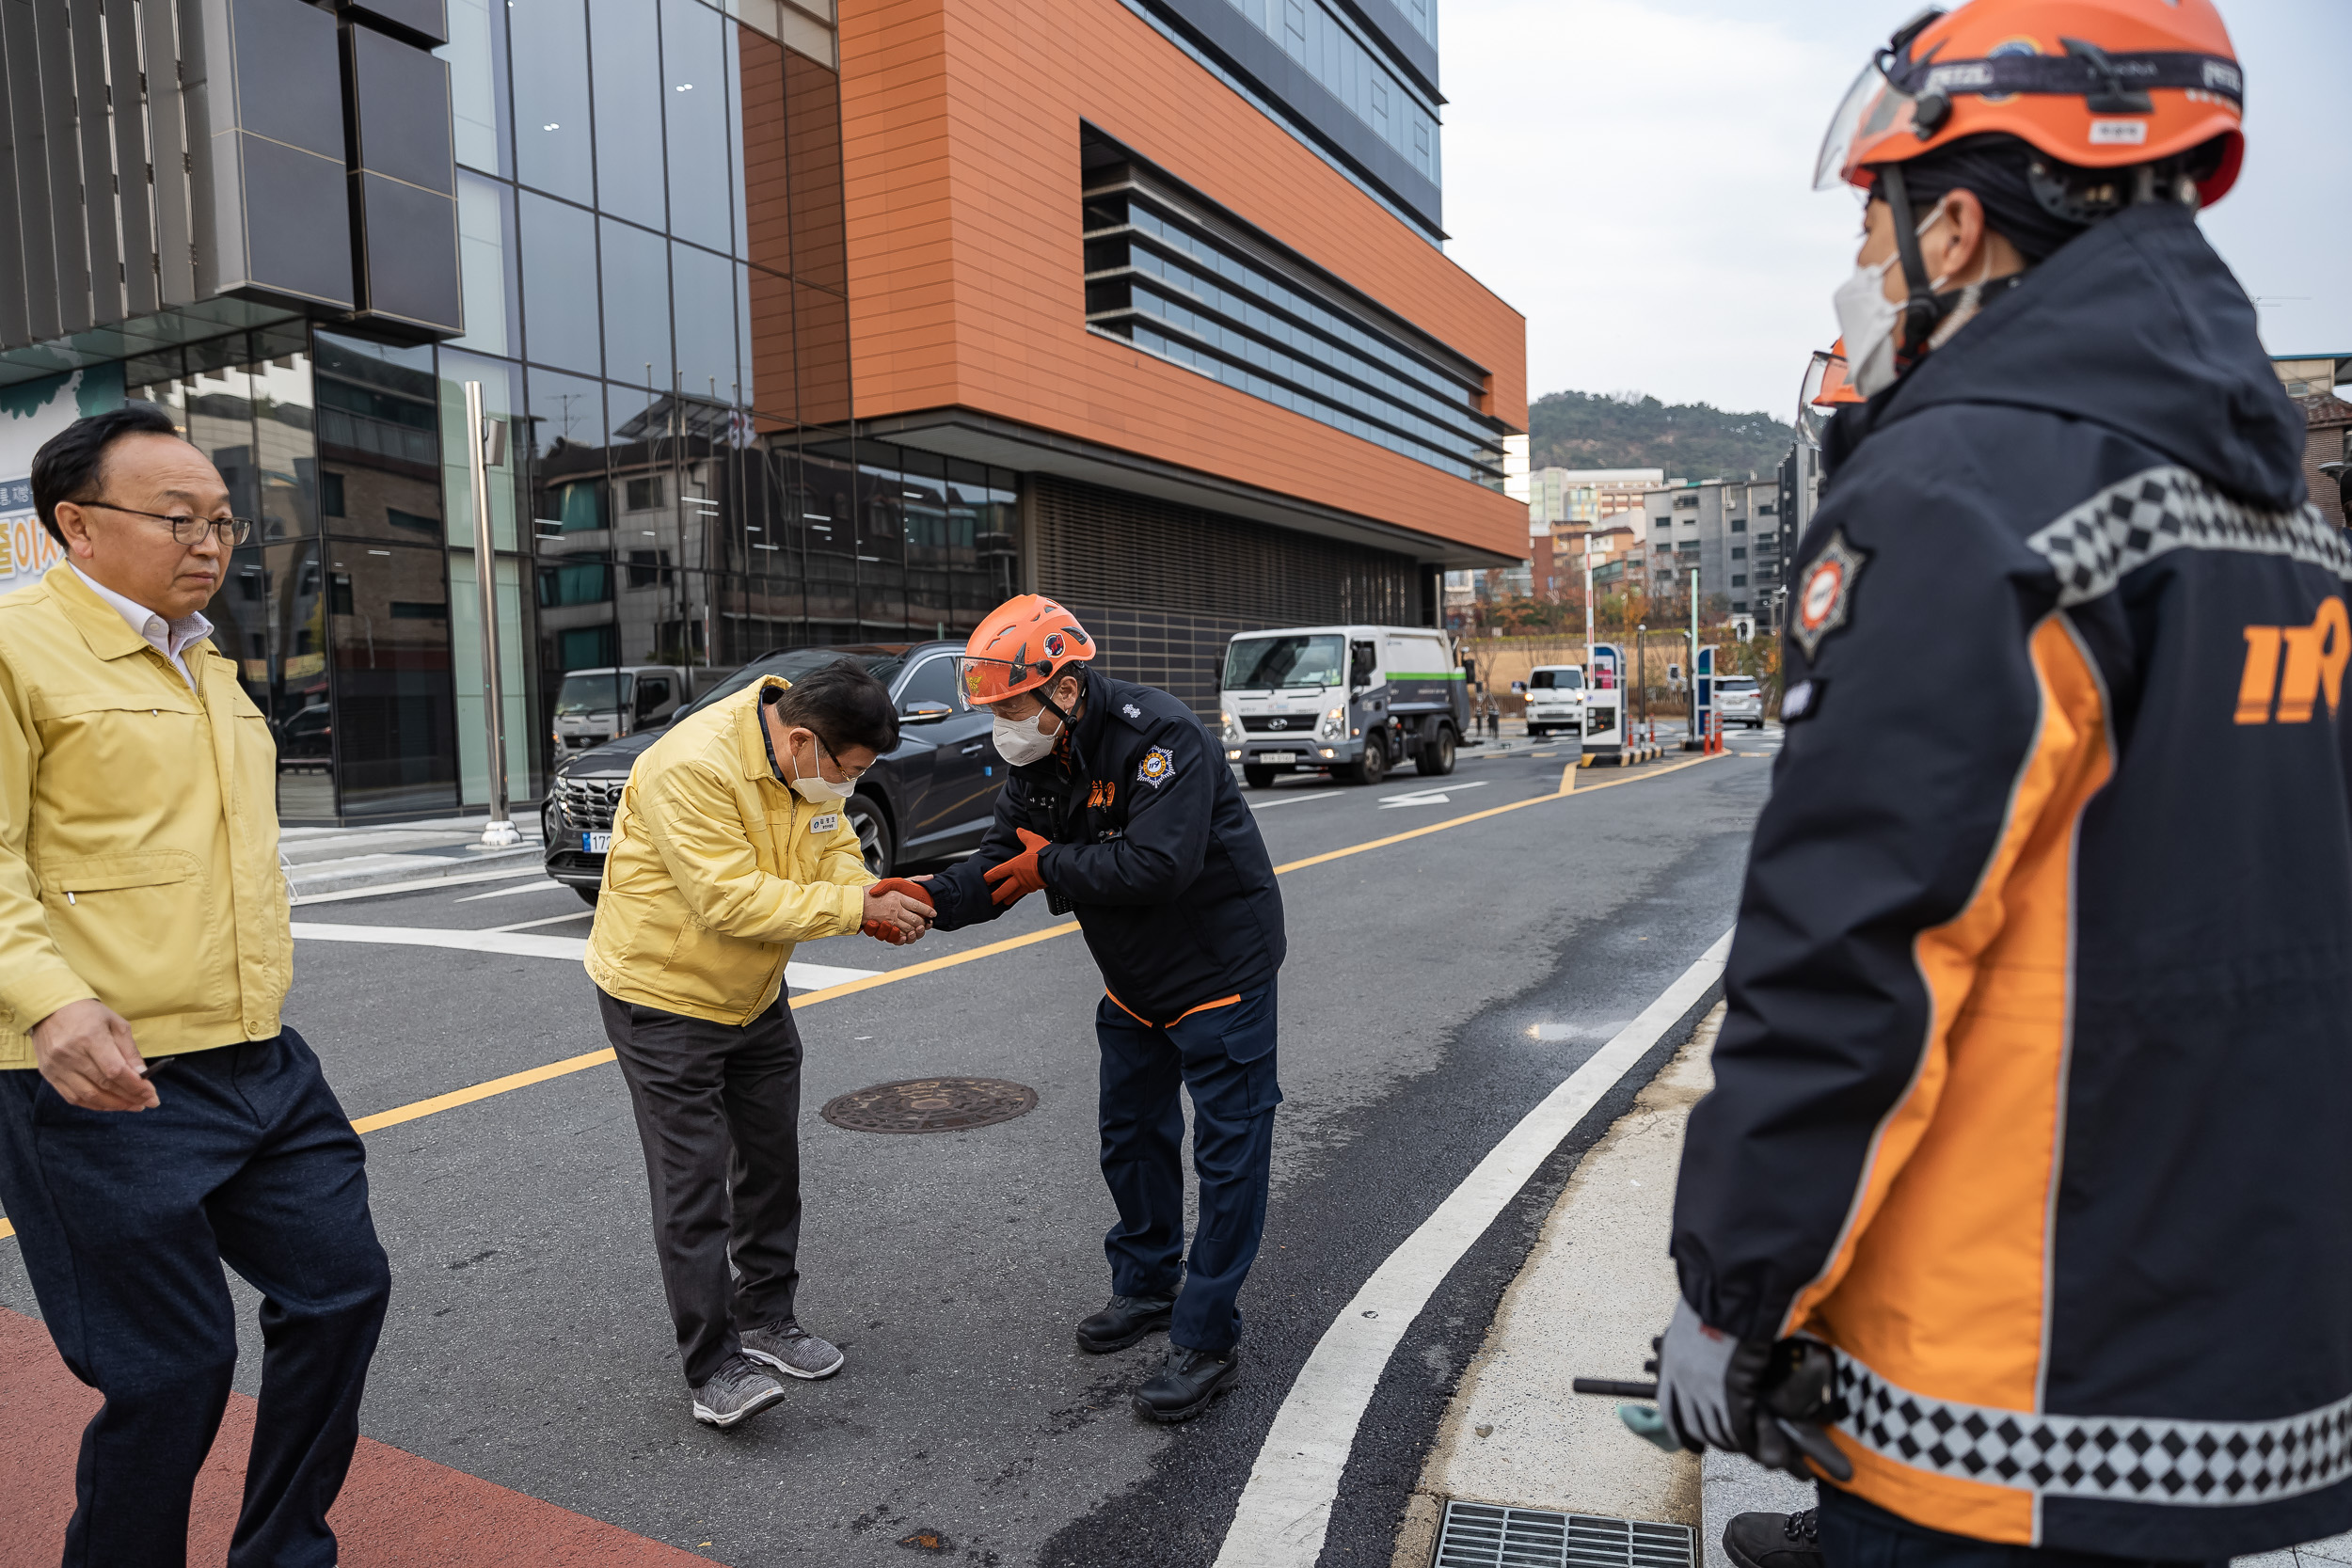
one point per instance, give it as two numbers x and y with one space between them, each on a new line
1025 643
2095 83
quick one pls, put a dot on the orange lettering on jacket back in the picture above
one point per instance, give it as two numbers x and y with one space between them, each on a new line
2316 657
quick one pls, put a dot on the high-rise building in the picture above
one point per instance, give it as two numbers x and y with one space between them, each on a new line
806 328
1730 530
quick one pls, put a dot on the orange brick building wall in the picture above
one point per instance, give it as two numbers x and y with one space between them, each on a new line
961 122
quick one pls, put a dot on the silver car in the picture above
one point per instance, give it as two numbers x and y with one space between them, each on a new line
1740 701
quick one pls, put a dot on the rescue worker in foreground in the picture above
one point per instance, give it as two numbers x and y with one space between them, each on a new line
1120 808
2030 1104
729 845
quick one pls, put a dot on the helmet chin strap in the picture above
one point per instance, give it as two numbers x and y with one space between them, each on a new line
1069 724
1922 311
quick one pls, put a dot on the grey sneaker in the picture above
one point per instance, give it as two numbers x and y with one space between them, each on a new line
735 1392
791 1350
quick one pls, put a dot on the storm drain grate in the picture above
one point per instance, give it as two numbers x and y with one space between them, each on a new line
1480 1536
931 1105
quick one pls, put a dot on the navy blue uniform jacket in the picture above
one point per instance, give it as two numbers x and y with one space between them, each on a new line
2034 1098
1154 847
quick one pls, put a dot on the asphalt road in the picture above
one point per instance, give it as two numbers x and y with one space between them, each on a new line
527 1342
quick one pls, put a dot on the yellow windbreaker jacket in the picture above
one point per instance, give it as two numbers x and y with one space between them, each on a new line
138 832
717 870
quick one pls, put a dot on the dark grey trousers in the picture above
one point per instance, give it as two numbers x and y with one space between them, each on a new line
718 1110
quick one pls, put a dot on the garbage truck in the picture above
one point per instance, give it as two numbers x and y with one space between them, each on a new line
1352 701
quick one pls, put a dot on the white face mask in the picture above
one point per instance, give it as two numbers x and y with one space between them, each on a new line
1867 318
1020 741
813 787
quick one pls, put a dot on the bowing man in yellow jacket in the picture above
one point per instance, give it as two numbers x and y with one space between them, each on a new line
731 845
156 1120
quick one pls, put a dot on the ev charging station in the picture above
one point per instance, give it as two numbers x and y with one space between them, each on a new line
1604 701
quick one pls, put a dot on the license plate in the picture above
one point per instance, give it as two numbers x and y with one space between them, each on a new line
596 844
1277 756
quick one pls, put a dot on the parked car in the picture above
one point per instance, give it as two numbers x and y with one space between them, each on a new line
1740 701
929 800
306 741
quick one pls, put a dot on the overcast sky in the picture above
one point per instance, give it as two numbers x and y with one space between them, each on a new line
1633 175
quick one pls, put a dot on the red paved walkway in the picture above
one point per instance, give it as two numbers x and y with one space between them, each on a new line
397 1511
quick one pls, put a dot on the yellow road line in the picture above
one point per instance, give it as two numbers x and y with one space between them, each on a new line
7 1230
931 966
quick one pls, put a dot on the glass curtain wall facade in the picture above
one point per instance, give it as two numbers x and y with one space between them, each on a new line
651 245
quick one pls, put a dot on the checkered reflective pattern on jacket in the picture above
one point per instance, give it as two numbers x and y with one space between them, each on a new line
2133 521
2125 1458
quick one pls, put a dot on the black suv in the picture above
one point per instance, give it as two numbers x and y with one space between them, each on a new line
931 799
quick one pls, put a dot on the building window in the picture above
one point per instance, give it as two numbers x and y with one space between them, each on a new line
1738 579
646 494
1738 552
330 494
1173 275
1739 525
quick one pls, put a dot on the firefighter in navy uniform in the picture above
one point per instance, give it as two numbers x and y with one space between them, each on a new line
2031 1105
1120 808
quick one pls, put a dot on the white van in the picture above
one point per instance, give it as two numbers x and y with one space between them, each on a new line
1348 700
1555 699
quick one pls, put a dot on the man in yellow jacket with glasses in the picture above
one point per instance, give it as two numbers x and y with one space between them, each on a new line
730 845
156 1120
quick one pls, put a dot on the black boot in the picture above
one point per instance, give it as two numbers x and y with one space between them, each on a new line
1184 1387
1776 1539
1124 1321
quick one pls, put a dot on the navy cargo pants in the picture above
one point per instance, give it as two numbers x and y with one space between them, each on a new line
1224 1053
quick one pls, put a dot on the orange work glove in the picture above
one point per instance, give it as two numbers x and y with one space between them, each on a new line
881 930
1018 877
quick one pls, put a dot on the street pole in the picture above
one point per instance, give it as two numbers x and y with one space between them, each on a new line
500 833
1588 614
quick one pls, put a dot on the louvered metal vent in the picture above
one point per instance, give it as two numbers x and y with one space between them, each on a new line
1479 1536
1161 586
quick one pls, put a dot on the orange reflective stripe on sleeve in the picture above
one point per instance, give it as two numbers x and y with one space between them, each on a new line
1941 1282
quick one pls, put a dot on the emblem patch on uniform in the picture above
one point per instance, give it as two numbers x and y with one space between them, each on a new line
829 822
1131 710
1827 592
1054 644
1158 767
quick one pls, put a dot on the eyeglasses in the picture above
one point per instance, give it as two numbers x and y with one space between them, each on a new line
833 757
189 531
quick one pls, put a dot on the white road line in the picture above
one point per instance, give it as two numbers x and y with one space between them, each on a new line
548 920
458 880
1285 1511
525 946
550 885
1294 800
1435 796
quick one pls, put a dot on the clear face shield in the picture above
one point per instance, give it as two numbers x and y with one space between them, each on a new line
1873 107
1812 420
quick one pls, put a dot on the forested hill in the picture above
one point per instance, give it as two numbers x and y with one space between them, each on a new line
1690 440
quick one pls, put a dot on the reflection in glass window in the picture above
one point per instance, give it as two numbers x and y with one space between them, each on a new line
694 79
636 305
476 52
552 137
1336 54
502 399
566 411
395 726
627 47
704 301
485 265
378 440
559 248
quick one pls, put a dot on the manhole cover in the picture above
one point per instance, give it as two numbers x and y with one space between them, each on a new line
929 1105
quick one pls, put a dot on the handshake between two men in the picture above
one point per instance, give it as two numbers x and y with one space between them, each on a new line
900 910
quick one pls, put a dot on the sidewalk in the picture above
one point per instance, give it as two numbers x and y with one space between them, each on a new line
1594 1289
338 860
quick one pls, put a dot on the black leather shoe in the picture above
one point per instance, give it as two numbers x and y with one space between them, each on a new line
1184 1387
1124 1321
1776 1539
